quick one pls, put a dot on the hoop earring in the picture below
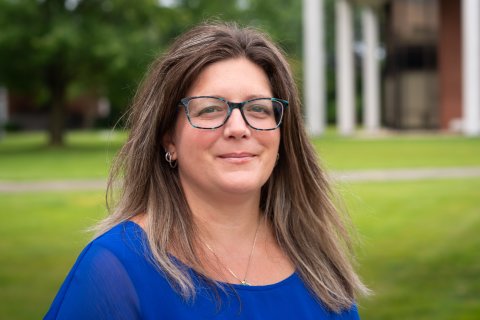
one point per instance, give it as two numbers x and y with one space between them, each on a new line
168 158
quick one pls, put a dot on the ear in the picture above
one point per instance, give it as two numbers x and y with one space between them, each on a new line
168 144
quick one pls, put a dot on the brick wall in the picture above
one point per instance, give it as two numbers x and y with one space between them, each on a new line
450 63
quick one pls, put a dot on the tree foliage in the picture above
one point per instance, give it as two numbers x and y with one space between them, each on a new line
54 50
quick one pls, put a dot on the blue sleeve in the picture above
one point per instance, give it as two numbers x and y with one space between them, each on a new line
97 287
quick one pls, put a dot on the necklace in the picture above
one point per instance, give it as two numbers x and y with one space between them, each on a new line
244 281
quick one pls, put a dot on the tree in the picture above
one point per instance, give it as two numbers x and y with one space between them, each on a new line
56 49
51 49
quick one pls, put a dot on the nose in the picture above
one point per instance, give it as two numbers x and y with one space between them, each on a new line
236 127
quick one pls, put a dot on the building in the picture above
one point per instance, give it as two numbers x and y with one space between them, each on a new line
21 112
430 78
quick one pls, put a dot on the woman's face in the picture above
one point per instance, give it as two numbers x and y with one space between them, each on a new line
235 158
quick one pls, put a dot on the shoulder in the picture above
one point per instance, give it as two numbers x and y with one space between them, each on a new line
301 294
125 235
121 245
113 252
100 282
351 313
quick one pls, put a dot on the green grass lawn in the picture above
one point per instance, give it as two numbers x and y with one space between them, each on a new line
87 155
419 250
339 153
40 239
420 240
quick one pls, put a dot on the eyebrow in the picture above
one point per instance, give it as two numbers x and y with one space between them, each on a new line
249 97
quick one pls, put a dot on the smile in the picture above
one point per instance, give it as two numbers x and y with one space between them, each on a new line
237 157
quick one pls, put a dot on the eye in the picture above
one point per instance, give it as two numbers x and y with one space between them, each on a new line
259 109
209 109
206 109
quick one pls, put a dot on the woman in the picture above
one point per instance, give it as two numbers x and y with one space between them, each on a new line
223 211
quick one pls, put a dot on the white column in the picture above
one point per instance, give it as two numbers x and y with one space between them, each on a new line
471 67
345 68
371 71
314 66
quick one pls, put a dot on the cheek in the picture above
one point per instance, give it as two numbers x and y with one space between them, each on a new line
190 141
271 140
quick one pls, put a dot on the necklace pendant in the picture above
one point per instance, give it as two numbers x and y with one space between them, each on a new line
245 283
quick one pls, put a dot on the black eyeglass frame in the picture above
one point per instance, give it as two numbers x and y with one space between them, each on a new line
231 106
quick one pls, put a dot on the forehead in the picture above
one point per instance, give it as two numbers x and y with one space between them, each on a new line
232 78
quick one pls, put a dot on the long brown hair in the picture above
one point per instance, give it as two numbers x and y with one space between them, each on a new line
297 198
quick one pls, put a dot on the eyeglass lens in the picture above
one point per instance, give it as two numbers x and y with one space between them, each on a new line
209 113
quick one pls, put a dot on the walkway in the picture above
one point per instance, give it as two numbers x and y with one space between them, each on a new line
347 176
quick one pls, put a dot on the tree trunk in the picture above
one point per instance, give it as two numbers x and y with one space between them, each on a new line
57 84
57 121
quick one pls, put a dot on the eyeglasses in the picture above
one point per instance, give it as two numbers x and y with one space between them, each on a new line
205 112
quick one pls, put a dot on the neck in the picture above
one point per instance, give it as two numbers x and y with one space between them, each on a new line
225 221
235 242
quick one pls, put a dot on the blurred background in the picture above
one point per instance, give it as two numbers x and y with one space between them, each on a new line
391 100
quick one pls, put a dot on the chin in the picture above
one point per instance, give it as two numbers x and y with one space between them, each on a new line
241 186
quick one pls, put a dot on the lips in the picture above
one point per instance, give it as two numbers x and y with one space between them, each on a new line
237 157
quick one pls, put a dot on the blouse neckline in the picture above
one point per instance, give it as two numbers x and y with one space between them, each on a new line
287 280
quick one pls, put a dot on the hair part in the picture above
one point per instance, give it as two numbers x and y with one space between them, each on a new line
307 224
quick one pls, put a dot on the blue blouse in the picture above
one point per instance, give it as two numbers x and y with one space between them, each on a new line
112 279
